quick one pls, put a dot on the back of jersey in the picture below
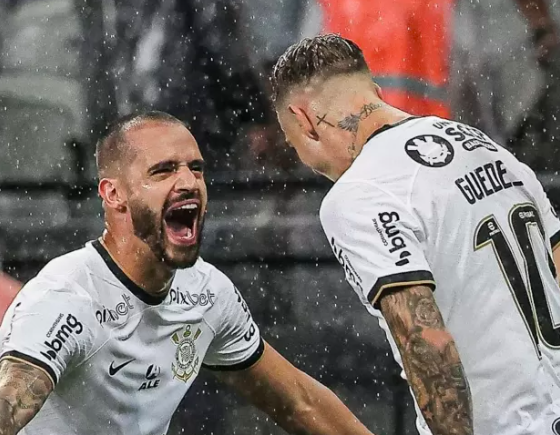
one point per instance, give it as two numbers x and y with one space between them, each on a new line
490 230
458 209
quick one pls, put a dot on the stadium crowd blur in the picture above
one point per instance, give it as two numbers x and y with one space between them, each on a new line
68 67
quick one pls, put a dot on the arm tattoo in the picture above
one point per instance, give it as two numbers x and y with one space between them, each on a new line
352 122
430 359
23 390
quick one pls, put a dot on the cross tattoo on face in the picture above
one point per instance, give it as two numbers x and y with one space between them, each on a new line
322 119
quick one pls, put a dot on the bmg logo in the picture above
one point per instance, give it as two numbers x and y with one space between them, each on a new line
71 326
393 238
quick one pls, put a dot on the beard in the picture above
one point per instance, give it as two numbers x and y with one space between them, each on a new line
148 226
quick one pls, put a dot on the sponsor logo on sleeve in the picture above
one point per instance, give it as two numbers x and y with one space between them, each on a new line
351 275
391 237
120 310
55 324
430 150
56 340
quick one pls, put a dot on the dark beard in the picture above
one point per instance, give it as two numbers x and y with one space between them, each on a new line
146 228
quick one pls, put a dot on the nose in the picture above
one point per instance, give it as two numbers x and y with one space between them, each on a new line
186 180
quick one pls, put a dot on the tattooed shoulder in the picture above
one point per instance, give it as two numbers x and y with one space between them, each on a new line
23 391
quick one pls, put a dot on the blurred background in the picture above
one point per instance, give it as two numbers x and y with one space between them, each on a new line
68 67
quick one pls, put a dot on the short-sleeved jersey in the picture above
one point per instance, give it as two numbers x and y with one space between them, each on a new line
122 360
438 203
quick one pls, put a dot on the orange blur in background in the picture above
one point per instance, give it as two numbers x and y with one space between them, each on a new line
406 44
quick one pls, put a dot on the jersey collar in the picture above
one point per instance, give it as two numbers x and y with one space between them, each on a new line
390 126
134 288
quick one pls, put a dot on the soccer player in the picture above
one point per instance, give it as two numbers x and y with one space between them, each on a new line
445 236
108 339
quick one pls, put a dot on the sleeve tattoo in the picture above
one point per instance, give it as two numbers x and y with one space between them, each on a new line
430 359
23 390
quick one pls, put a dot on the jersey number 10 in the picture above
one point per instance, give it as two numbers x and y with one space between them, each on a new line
530 298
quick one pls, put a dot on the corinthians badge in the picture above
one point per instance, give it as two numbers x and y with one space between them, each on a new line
186 359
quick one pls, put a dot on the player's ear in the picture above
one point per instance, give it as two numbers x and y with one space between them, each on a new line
304 122
111 194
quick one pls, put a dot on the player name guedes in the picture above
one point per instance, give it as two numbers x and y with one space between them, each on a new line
484 181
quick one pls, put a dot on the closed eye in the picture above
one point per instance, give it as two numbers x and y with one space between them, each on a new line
162 168
161 171
197 165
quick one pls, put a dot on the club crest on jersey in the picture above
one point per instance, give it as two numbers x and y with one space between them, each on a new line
186 358
430 150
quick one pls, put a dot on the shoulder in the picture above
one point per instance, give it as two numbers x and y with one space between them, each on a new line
389 162
64 278
356 198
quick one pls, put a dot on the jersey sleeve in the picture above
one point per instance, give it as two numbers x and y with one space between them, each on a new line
375 238
49 327
549 216
237 344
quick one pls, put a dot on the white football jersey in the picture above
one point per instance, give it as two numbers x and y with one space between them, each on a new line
122 359
435 202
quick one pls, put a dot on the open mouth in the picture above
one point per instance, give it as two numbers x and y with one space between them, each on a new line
181 222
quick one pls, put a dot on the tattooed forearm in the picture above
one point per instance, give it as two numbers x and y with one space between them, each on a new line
352 122
23 390
430 359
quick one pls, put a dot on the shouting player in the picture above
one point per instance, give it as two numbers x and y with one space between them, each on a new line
109 338
446 237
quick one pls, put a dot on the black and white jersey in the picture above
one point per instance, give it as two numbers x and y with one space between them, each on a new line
122 360
438 203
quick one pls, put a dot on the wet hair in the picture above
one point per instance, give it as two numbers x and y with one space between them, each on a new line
322 56
113 151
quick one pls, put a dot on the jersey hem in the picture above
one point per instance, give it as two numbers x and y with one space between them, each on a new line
555 240
416 277
14 355
243 365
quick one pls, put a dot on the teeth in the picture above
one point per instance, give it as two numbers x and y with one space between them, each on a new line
188 207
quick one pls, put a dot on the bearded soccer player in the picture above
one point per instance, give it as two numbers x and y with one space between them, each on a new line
445 236
109 338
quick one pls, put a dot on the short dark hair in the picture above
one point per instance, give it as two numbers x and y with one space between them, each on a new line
324 56
112 147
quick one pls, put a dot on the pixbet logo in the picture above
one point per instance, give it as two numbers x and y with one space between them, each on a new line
110 315
71 326
188 298
392 236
